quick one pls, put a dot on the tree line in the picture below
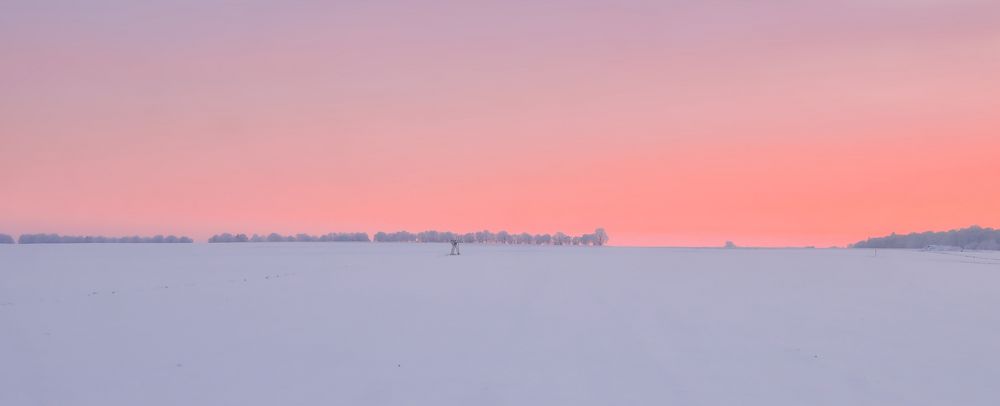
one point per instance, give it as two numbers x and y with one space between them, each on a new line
597 238
971 238
275 237
95 239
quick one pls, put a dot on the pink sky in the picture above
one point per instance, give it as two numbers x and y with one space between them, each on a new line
667 123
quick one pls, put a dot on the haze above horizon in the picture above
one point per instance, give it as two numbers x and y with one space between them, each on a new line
668 123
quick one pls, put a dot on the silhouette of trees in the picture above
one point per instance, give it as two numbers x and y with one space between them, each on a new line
91 239
301 237
399 236
226 237
598 238
971 238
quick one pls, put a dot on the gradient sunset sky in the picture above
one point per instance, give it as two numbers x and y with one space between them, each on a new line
666 122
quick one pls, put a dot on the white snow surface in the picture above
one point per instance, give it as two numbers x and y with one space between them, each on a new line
405 324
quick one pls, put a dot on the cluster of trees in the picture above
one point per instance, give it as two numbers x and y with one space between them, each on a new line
971 238
97 239
598 237
275 237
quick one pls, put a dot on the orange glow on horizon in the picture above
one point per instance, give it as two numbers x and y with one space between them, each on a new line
717 126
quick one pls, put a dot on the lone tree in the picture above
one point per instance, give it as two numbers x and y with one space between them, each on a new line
454 248
600 237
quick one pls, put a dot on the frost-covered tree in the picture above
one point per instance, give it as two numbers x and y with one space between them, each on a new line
485 237
6 239
600 236
429 236
561 238
399 236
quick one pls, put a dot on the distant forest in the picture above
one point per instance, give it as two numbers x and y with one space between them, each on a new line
597 238
275 237
972 238
71 239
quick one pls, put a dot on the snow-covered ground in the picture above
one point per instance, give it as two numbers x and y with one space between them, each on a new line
405 324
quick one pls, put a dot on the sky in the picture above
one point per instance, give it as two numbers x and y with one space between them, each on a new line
767 123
